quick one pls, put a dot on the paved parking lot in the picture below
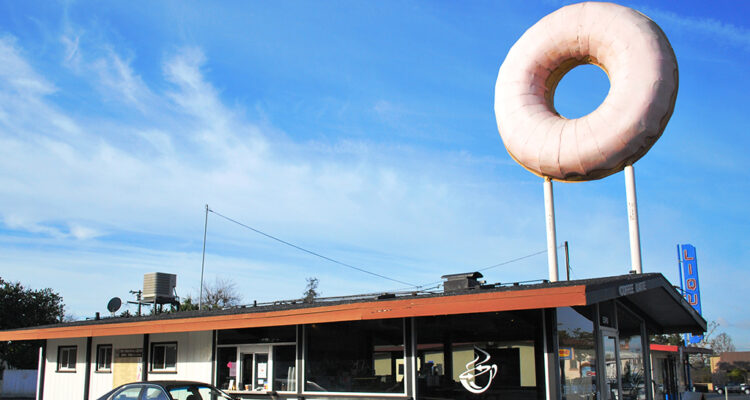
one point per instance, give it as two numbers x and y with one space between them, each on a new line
714 396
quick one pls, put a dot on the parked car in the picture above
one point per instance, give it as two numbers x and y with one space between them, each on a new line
734 388
166 390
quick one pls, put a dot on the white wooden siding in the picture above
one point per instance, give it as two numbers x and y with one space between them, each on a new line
193 356
101 382
64 385
193 363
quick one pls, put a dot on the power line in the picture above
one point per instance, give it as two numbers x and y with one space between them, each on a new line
311 252
514 260
500 264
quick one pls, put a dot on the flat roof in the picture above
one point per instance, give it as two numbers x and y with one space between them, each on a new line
651 295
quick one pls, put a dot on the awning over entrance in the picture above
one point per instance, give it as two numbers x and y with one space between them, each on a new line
664 309
651 294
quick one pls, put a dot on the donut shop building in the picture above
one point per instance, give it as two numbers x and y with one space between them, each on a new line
583 339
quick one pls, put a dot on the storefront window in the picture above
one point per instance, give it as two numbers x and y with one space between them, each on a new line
355 357
607 316
284 362
611 370
577 348
226 368
631 356
487 356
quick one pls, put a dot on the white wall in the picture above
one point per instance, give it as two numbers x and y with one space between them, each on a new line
193 356
193 363
102 382
18 383
64 385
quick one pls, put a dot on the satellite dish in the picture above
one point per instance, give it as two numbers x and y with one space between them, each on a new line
114 304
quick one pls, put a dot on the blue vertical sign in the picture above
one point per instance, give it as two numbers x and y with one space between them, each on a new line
689 282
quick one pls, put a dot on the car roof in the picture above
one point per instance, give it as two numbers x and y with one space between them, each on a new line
170 383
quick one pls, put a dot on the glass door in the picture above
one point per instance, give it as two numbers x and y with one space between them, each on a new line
611 389
254 367
260 367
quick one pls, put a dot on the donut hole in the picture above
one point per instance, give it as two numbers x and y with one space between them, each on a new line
581 91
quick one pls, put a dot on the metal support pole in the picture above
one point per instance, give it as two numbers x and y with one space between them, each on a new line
635 236
40 374
87 370
203 261
549 208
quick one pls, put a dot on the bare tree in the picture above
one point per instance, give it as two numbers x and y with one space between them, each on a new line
718 344
311 292
221 293
722 343
701 361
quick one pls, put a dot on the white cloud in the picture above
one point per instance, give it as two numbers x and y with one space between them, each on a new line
82 233
353 199
17 75
94 186
728 33
117 76
72 56
21 223
101 66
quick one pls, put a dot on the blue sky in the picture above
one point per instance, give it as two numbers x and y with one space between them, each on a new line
361 130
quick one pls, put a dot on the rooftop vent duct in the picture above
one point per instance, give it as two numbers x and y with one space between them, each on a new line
466 280
159 288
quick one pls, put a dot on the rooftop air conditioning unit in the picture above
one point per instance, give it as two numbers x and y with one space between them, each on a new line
159 287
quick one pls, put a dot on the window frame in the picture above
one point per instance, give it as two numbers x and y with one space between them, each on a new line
66 368
165 368
107 367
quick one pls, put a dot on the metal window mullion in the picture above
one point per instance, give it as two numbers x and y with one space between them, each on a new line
599 351
647 371
552 335
618 372
214 357
410 350
300 362
616 313
87 369
550 359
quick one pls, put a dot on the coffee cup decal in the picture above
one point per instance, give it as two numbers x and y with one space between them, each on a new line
476 368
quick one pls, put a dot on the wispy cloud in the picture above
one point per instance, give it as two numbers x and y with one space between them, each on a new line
726 32
116 75
17 75
102 66
346 193
109 196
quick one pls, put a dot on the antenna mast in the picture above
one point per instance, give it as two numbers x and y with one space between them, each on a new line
203 262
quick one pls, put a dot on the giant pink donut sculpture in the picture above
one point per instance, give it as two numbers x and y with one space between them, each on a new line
642 69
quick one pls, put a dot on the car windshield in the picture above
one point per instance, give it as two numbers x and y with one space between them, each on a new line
197 392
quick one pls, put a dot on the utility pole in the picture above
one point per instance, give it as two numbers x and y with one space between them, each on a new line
567 261
203 262
137 294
